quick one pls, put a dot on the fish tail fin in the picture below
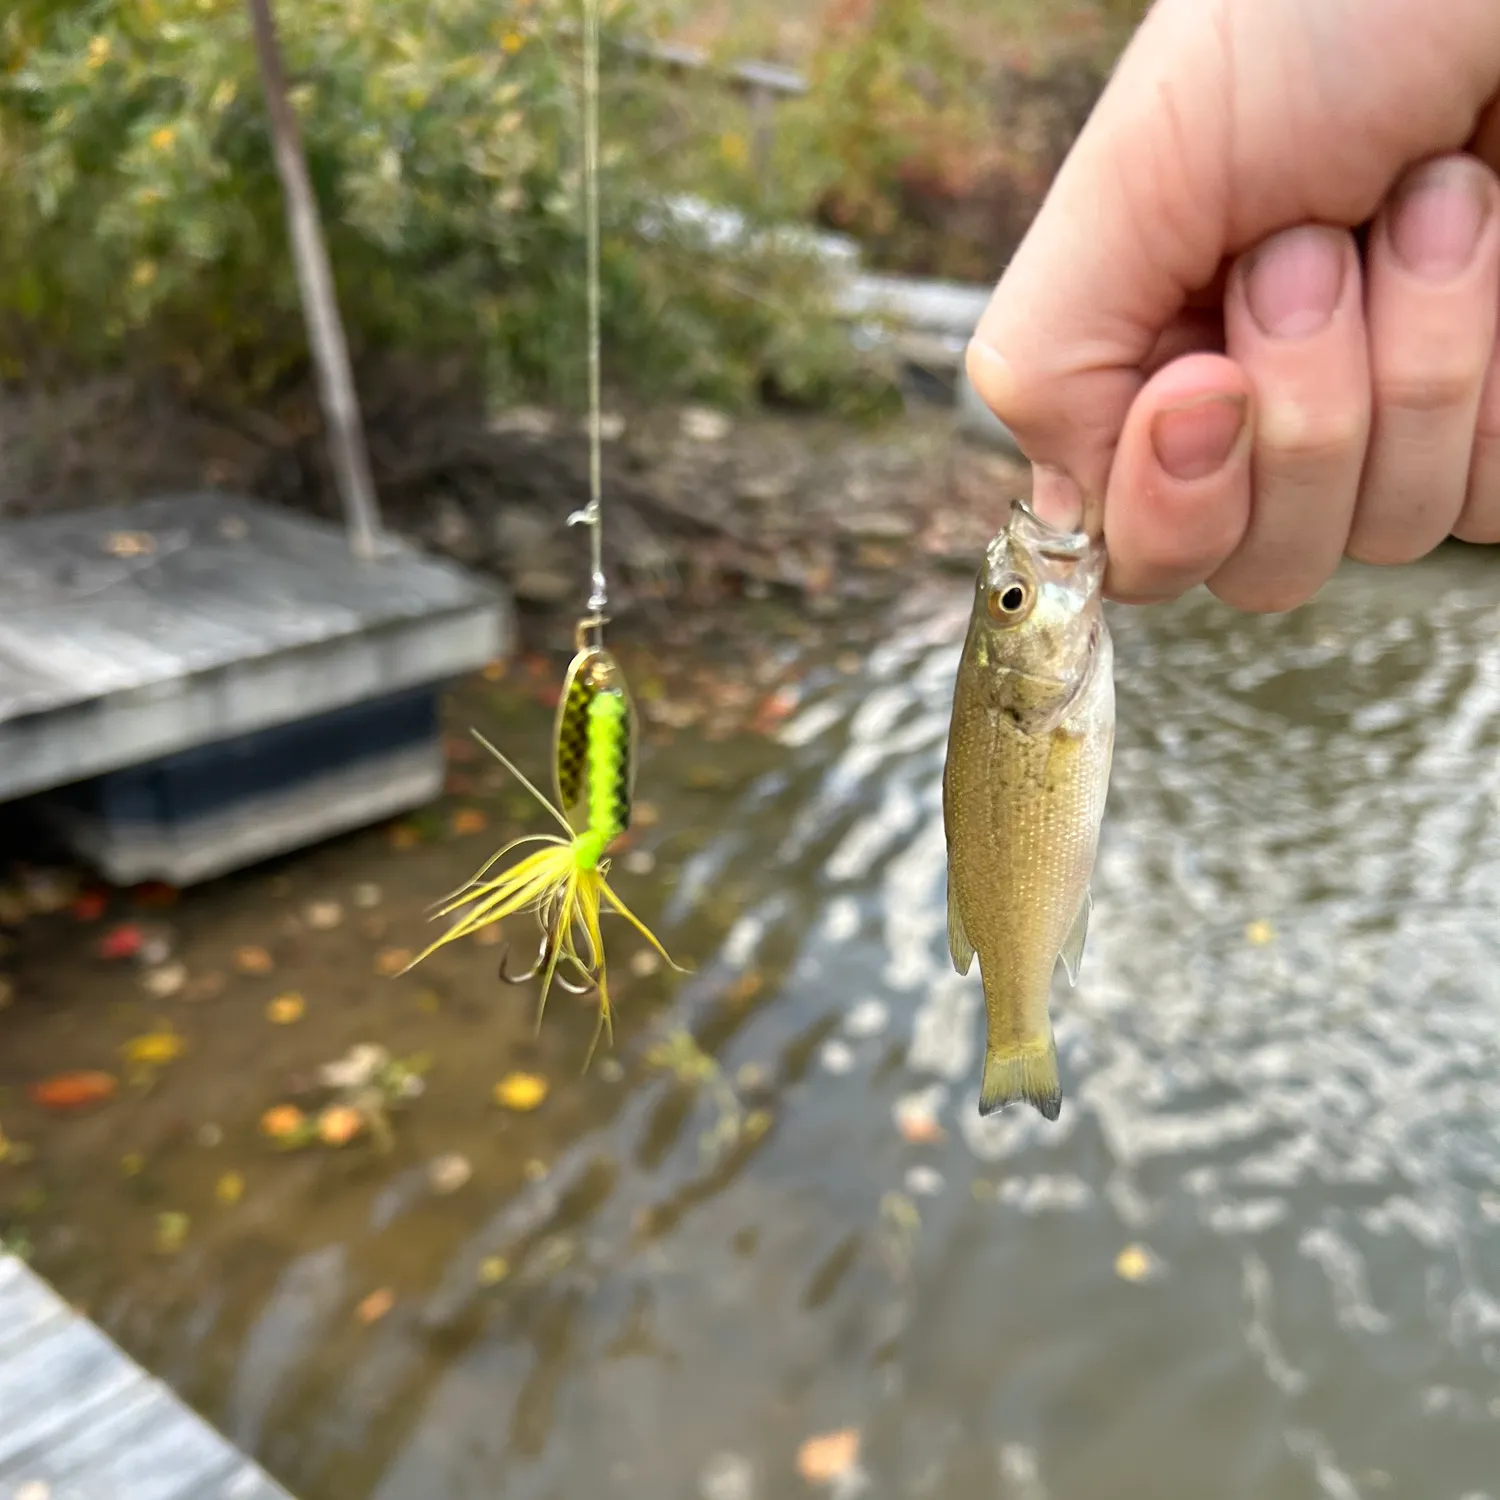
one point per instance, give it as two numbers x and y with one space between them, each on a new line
1024 1070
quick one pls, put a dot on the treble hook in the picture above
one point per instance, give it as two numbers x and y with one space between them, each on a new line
541 963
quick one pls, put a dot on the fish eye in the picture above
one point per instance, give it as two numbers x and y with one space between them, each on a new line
1009 602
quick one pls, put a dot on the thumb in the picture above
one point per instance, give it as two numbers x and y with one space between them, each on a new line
1224 121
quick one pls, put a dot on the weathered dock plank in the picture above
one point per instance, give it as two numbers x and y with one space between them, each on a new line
80 1421
139 631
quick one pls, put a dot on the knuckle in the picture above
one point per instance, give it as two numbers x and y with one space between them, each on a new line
1426 389
1301 436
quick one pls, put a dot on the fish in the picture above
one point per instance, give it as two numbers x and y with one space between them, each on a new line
1025 779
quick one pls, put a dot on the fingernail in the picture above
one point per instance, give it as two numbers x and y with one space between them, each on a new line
1295 280
1056 498
1194 439
1437 218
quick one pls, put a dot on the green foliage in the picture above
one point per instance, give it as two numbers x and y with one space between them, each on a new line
144 226
891 95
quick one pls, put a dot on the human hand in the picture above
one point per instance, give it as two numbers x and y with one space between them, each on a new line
1195 348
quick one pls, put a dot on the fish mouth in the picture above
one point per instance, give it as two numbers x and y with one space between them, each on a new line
1050 541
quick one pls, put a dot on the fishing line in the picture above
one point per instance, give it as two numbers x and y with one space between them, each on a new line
592 515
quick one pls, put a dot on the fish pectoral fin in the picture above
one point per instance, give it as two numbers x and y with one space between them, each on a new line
1071 952
960 949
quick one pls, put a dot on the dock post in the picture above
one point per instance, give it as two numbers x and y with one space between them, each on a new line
320 308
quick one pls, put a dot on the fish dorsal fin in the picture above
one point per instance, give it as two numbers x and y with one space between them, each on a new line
959 947
1072 948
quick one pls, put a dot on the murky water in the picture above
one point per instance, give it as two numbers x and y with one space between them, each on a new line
1258 1256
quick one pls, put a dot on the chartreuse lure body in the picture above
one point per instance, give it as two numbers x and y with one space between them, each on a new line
565 882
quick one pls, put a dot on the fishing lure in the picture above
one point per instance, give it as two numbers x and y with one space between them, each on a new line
593 744
566 882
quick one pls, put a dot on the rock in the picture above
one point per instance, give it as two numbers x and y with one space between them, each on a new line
451 531
611 426
766 489
544 585
522 531
702 424
876 525
727 1476
523 421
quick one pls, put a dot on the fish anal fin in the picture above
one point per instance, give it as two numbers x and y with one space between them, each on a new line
960 949
1026 1071
1071 952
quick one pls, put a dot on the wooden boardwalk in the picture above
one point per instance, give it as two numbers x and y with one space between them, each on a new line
199 681
80 1421
140 630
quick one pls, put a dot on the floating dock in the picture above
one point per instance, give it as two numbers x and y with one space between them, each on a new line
79 1420
193 683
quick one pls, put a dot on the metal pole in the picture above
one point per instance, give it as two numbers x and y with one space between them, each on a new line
320 308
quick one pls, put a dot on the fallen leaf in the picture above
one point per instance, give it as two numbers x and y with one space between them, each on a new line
123 941
494 671
282 1122
521 1091
493 1269
132 1164
205 986
746 987
230 1188
339 1124
829 1456
920 1128
90 905
404 836
375 1306
165 981
391 961
285 1009
154 893
448 1173
253 959
171 1232
1135 1263
74 1090
129 544
1259 933
153 1050
774 708
323 916
468 820
156 948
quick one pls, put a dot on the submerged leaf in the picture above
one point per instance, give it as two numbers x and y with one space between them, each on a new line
829 1456
521 1091
74 1090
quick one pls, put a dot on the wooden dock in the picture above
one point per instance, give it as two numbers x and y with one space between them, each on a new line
200 681
79 1420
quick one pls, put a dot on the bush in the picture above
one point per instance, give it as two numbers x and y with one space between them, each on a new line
143 216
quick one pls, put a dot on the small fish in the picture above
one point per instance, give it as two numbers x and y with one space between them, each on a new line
1024 784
